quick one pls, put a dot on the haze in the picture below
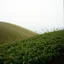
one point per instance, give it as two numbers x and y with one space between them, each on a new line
33 14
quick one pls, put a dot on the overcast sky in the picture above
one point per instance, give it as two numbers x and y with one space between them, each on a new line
33 14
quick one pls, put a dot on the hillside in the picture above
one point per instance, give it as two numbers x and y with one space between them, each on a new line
11 32
46 48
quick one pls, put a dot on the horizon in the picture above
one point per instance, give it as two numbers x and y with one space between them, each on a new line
35 15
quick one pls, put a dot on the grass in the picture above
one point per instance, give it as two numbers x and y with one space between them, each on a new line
47 48
10 32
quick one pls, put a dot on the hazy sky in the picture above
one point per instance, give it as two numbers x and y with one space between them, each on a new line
33 14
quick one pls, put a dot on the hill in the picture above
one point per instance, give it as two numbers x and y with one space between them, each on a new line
11 32
46 48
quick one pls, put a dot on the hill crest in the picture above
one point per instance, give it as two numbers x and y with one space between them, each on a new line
12 32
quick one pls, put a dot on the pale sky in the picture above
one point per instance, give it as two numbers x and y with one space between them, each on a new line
33 14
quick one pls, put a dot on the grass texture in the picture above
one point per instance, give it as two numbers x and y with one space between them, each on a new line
47 48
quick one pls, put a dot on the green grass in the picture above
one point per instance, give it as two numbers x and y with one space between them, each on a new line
11 32
46 48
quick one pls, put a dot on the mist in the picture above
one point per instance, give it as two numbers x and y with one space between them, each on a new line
36 15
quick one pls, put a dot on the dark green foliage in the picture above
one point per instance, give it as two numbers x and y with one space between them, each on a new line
40 49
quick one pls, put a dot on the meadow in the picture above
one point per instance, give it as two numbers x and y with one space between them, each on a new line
47 48
11 32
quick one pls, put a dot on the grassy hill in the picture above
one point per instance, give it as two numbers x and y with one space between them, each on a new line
11 32
46 48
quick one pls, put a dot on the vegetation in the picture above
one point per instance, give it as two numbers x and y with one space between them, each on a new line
10 32
46 48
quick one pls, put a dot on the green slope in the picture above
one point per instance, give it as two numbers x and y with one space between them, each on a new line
46 48
11 32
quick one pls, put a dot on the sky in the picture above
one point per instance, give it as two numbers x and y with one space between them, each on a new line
36 15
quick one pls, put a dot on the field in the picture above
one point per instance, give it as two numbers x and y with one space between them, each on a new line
11 32
47 48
